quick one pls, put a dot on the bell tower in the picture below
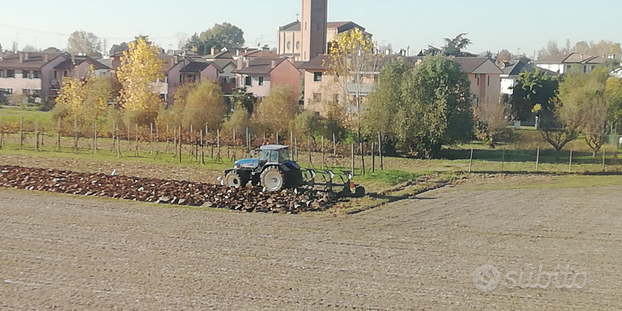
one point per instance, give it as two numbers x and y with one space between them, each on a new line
313 28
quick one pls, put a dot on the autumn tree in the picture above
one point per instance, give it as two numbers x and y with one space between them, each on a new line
51 49
354 62
613 93
276 110
29 48
204 106
491 123
452 47
138 75
594 101
84 101
220 36
82 42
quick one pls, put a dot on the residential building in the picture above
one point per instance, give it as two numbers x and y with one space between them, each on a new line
485 78
572 63
511 72
320 88
260 75
29 74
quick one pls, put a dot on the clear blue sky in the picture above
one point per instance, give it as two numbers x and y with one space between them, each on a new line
492 25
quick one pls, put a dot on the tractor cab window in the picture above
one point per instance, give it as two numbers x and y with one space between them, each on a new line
274 156
264 155
283 155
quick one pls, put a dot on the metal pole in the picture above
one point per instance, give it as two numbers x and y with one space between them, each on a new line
502 160
471 161
570 165
537 159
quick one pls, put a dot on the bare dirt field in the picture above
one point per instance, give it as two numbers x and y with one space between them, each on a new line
72 253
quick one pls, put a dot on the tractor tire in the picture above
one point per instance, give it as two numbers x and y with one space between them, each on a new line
359 192
236 179
272 179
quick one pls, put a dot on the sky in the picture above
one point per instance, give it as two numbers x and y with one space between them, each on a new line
518 26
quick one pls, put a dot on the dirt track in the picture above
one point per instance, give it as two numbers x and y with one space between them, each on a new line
86 254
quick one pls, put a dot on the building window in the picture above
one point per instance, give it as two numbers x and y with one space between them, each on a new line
477 79
289 45
6 90
10 73
248 81
36 93
25 74
584 69
1 73
317 76
298 45
317 97
181 79
488 78
35 74
55 74
260 81
65 73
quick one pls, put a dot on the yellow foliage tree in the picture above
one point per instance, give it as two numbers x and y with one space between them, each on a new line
139 75
277 110
205 105
85 100
355 63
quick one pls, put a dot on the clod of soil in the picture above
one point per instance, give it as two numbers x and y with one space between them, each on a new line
164 191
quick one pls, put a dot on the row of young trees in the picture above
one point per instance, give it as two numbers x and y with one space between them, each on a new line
571 105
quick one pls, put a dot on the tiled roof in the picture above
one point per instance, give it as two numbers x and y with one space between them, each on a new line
572 58
470 64
34 61
68 63
261 66
261 54
195 67
293 26
319 62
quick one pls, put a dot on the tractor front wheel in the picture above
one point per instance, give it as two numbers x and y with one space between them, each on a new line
272 179
235 179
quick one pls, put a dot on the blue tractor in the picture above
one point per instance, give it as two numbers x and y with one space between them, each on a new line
274 170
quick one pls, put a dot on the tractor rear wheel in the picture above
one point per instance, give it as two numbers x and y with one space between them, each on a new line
272 179
236 179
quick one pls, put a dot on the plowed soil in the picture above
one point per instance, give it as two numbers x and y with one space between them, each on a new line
75 253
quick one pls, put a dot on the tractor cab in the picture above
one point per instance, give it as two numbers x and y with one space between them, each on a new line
273 154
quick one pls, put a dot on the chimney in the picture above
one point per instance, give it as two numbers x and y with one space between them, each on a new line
240 63
213 51
46 57
247 62
272 64
26 56
21 57
73 59
237 52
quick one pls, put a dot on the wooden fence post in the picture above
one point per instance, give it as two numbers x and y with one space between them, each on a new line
94 137
352 166
380 151
1 133
322 148
570 164
21 133
604 160
334 145
150 138
75 135
136 152
180 143
36 136
202 149
362 158
373 158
